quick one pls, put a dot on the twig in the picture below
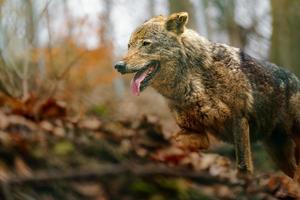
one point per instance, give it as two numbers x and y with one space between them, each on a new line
148 170
65 72
49 46
25 77
7 79
44 9
69 66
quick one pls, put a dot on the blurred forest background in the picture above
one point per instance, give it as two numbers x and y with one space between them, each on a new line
60 99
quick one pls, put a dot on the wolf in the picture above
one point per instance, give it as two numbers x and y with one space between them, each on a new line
213 88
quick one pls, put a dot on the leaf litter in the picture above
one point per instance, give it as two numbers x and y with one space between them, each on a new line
45 154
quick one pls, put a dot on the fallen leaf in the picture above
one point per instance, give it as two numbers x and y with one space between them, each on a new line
89 189
22 121
4 172
59 131
51 109
22 168
171 155
46 125
3 121
90 124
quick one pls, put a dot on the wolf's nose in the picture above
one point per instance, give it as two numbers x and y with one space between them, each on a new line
120 66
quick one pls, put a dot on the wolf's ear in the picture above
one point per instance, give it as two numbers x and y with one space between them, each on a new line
176 22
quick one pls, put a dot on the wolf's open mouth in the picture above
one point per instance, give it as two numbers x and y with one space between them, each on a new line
142 77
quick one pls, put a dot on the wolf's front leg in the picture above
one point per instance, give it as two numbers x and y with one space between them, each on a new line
191 141
242 146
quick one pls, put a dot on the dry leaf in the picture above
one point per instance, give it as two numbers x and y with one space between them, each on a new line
171 155
47 126
4 172
59 131
51 109
22 168
89 189
3 120
90 124
19 120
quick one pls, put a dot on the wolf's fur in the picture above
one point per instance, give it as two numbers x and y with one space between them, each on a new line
217 89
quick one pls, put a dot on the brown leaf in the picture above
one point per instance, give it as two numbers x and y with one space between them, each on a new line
5 139
59 131
171 155
283 187
47 126
89 189
21 121
90 124
3 121
22 168
25 108
34 108
51 109
142 152
4 172
19 141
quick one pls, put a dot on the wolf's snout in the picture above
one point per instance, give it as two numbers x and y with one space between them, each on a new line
120 67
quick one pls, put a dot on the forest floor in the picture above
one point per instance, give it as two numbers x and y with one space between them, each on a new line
47 155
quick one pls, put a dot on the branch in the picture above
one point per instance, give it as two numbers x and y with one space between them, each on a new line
147 170
70 65
45 9
64 73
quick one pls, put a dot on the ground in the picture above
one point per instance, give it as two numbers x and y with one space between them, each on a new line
46 154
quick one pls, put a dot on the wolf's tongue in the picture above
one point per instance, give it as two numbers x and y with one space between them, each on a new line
136 82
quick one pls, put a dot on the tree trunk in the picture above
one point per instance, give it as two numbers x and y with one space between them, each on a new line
285 47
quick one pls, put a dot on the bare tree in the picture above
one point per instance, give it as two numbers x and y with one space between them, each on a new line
285 48
15 51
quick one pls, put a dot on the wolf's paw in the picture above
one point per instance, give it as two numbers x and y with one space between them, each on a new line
191 141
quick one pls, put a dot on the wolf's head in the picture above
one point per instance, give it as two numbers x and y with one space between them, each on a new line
154 53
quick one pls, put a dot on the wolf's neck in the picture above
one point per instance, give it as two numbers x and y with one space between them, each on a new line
197 50
185 88
189 91
176 89
196 59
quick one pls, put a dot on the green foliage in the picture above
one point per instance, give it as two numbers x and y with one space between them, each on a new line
261 159
104 151
63 148
163 188
98 110
141 186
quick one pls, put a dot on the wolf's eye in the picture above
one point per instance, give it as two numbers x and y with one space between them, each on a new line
146 43
128 46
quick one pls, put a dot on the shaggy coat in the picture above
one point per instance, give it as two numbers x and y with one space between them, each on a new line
216 89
